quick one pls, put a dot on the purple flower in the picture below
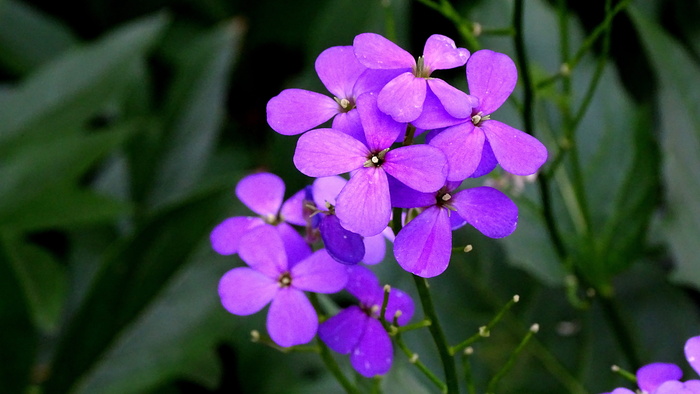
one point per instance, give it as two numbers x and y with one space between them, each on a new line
357 330
295 111
423 247
364 204
403 96
270 278
475 143
263 193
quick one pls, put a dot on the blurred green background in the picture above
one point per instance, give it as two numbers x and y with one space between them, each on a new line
124 127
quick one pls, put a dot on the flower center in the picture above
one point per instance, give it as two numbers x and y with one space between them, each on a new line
480 118
442 198
272 219
420 71
345 104
376 159
285 280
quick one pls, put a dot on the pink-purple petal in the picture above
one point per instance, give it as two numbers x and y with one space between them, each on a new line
488 210
292 210
326 152
491 76
319 273
364 285
375 51
375 249
295 246
403 196
441 53
326 190
364 204
262 193
462 145
291 320
402 98
456 102
349 123
488 161
420 167
342 245
650 376
263 250
342 332
399 302
423 247
676 387
244 291
226 236
295 111
692 353
338 69
380 129
373 354
517 152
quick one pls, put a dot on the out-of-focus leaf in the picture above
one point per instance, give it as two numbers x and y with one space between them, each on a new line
43 281
679 126
18 339
72 88
28 38
131 275
34 169
194 111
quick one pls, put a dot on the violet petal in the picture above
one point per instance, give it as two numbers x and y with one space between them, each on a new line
434 115
462 145
456 102
420 167
244 291
650 376
349 123
262 193
262 249
399 301
226 236
325 152
423 247
491 76
319 273
338 69
363 284
364 205
375 51
403 196
373 354
380 129
488 210
375 249
295 246
676 387
342 245
517 152
441 53
487 163
403 97
692 352
292 210
326 190
291 320
295 111
342 332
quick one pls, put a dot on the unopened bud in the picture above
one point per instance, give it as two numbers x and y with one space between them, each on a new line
484 331
254 336
535 328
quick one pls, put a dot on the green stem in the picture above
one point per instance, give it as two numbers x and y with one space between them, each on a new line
465 28
413 359
447 359
332 366
622 334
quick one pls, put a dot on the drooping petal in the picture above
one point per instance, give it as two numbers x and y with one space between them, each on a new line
420 167
292 320
441 53
295 111
402 98
326 190
363 284
244 291
423 247
375 51
491 76
399 301
295 246
692 352
226 236
263 250
488 210
342 245
342 332
375 249
338 69
488 160
292 210
650 376
325 152
262 193
403 196
456 102
517 152
373 354
364 204
319 273
462 145
380 129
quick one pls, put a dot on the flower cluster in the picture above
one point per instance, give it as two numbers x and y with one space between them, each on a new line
407 140
665 378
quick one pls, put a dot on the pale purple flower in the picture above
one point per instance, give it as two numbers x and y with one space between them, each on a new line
269 278
357 331
474 144
403 96
364 204
295 111
263 193
424 245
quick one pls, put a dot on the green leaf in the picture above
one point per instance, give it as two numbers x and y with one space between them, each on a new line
76 86
194 112
28 38
43 281
678 123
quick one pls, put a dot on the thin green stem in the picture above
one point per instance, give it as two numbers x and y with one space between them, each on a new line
623 334
413 359
447 359
466 28
491 388
332 366
485 330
